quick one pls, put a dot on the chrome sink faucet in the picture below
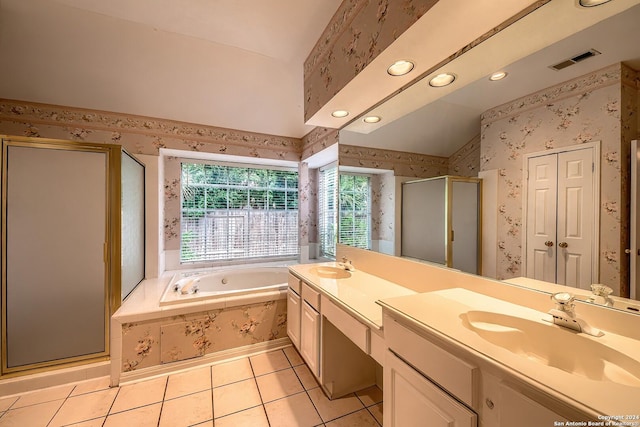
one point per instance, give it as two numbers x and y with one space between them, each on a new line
346 264
565 315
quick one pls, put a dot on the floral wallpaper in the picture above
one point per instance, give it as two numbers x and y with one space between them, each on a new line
308 204
401 163
304 201
383 207
601 106
317 140
172 202
355 36
145 135
466 161
138 134
153 342
357 33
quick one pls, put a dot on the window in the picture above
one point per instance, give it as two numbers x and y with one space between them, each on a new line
350 222
328 210
237 212
355 210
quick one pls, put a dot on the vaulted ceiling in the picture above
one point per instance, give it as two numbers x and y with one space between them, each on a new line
228 63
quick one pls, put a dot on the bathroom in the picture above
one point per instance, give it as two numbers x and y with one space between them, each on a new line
160 143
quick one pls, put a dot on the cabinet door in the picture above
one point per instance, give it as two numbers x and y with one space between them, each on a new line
310 338
517 409
293 317
412 400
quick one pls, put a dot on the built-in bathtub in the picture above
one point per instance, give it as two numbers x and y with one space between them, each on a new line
190 287
235 311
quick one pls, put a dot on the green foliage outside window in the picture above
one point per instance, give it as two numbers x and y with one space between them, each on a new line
355 211
237 212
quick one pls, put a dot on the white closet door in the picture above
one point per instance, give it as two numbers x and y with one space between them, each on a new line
575 218
635 220
560 217
541 218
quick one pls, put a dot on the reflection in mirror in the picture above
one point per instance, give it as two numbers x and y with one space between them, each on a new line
577 83
441 221
367 217
354 221
318 205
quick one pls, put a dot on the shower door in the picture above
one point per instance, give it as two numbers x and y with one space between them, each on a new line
55 268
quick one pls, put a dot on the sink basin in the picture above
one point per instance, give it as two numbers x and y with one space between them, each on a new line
328 272
554 346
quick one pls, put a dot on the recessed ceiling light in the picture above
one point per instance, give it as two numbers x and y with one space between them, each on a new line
443 79
497 76
400 68
340 113
592 3
371 119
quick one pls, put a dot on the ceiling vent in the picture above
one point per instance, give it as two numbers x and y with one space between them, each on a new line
578 58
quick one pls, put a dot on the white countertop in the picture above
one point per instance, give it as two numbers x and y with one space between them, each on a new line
358 293
443 311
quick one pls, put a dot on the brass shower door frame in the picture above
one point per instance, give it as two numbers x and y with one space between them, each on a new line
111 251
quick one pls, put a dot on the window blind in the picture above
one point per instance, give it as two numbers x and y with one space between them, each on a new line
328 210
355 210
232 213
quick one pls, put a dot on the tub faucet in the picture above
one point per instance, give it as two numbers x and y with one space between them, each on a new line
565 315
346 264
190 287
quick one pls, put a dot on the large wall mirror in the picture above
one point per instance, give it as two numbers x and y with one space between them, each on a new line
571 79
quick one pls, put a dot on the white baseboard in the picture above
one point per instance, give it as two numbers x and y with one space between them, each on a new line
31 382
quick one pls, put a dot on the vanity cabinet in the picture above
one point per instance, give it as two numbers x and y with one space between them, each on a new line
303 322
410 399
339 349
424 382
348 351
293 317
310 337
514 408
426 379
293 311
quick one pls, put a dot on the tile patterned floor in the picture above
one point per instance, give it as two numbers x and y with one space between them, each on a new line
273 389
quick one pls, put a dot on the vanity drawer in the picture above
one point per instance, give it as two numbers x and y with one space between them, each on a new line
349 326
451 373
311 296
378 346
294 283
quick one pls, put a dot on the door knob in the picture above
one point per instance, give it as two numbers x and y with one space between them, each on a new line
563 244
548 243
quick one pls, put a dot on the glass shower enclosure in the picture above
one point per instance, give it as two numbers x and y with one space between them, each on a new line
62 249
441 221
